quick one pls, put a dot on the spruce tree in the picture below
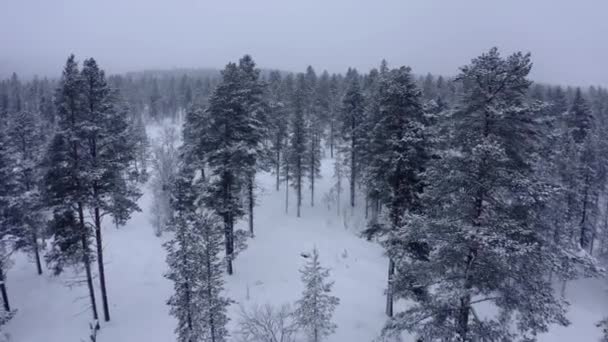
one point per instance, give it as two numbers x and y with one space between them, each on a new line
315 309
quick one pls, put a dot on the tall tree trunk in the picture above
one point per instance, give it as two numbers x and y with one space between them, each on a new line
228 243
299 187
228 224
251 202
86 261
389 289
36 252
278 170
209 294
312 171
7 306
583 238
287 191
331 138
100 265
352 171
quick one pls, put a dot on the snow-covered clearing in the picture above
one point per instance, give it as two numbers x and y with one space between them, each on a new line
267 272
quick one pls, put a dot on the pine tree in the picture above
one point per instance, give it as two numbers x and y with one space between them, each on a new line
67 182
298 140
278 121
398 155
110 152
254 132
352 118
227 154
315 309
195 269
26 144
486 240
314 127
8 229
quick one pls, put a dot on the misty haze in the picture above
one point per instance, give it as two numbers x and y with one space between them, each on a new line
282 171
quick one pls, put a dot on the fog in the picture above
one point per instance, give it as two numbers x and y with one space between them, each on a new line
566 38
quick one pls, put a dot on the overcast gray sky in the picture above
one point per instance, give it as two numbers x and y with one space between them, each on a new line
568 39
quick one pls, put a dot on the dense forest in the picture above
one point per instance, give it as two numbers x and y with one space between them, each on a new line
483 188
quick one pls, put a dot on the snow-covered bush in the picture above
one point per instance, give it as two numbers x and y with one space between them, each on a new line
267 324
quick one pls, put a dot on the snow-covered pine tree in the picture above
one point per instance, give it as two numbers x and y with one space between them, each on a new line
225 152
334 96
585 179
195 269
26 143
314 127
352 118
67 180
397 158
254 130
315 309
487 243
110 153
298 138
8 229
278 121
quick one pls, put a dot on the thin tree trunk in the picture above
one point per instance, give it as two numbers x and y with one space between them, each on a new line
7 306
37 253
287 191
299 187
352 172
228 225
86 261
583 239
100 265
312 172
389 289
278 171
251 203
331 138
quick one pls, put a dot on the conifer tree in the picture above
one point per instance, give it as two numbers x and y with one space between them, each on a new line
67 180
352 118
278 122
298 140
254 131
398 156
315 309
228 154
195 269
26 145
486 240
8 229
110 152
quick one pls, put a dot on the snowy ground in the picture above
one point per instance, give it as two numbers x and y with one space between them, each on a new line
267 272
